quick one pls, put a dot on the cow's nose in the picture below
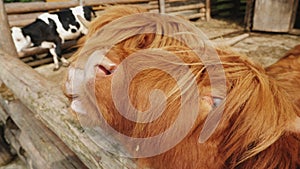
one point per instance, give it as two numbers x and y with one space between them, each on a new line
105 68
73 30
99 65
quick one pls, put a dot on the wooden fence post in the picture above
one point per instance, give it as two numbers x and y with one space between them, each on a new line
6 42
207 4
162 8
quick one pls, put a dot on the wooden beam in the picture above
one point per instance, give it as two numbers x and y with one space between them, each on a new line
294 14
17 17
162 6
41 146
230 41
208 14
97 2
6 42
185 7
39 50
29 7
295 31
21 23
195 16
21 20
46 101
155 2
248 19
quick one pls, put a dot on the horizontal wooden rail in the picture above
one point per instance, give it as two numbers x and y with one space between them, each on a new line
39 50
48 103
35 142
17 17
29 7
185 7
14 8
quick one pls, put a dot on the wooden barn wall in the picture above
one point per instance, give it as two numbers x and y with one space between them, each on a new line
228 8
273 16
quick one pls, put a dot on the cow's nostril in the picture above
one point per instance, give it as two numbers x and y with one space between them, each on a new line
73 30
106 69
103 69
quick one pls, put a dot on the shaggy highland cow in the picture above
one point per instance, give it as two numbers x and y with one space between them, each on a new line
287 72
259 127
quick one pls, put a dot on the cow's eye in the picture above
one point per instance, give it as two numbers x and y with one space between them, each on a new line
217 101
18 40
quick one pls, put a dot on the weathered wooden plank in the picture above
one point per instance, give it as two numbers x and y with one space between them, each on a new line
47 102
6 42
185 7
230 41
19 7
39 62
40 50
17 17
40 144
3 115
184 13
295 31
11 136
274 16
5 155
295 20
195 16
97 2
207 6
162 7
22 19
155 2
21 23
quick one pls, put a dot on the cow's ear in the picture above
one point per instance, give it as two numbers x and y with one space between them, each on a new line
28 39
294 126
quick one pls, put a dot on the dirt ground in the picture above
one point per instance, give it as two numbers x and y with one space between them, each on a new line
262 47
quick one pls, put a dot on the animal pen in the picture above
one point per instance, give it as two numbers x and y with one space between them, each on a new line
34 110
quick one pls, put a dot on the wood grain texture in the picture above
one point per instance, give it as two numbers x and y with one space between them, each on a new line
5 155
6 42
47 102
39 144
273 16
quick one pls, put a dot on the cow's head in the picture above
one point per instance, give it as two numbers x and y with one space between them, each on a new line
257 117
20 41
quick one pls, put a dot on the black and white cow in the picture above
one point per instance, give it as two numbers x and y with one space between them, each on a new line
50 30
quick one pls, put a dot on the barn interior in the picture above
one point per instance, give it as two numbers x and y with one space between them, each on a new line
231 10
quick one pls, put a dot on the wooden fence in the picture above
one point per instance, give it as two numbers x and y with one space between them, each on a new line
21 14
